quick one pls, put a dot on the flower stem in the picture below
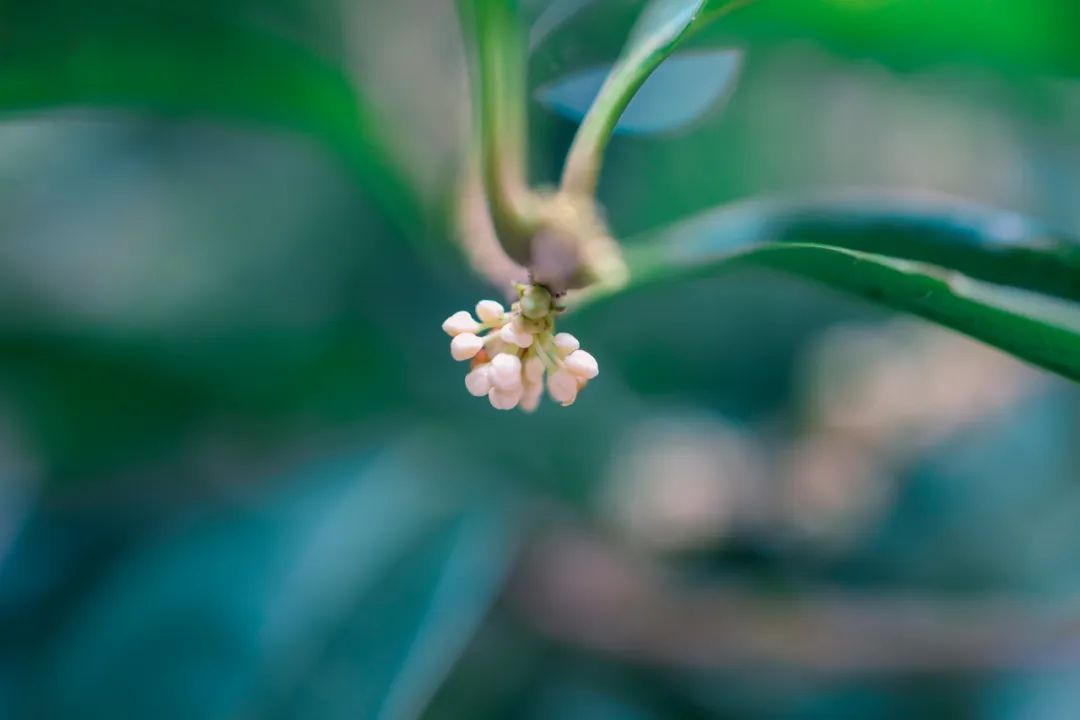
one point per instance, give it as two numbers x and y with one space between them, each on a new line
501 124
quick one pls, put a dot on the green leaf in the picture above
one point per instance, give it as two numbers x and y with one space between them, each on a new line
843 251
171 59
982 242
440 594
1032 37
350 595
1042 333
94 405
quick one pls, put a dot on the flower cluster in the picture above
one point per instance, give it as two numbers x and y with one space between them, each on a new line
510 352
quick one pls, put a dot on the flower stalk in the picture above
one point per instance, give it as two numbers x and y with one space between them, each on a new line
500 90
559 237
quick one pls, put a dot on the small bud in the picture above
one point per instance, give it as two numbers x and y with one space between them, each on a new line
465 346
493 345
507 334
536 303
515 335
563 387
489 311
478 382
460 322
566 343
506 372
504 399
530 398
582 364
534 370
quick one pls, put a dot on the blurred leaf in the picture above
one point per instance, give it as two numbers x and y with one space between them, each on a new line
440 595
348 596
172 59
95 405
1031 37
550 16
679 92
908 34
1036 328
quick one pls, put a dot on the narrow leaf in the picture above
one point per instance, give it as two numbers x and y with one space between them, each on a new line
1023 39
847 252
173 61
362 583
1024 326
982 242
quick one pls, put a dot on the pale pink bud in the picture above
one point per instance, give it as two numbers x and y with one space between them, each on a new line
489 311
506 372
465 346
563 387
460 322
514 335
566 343
530 398
504 399
534 370
478 382
582 364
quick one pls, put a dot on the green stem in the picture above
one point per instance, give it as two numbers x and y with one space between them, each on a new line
581 173
501 102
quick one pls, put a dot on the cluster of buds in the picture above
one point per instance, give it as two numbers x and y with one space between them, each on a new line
511 352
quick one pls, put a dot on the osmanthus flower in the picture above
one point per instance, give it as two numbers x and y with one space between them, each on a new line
511 353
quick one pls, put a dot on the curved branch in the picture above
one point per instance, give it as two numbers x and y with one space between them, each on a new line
577 590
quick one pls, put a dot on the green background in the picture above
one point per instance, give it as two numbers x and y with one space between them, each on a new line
240 475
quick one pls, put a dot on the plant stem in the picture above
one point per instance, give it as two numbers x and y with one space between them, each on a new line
501 105
641 58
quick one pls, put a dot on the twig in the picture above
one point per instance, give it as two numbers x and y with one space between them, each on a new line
574 588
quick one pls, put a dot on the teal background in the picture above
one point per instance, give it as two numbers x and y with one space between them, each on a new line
239 473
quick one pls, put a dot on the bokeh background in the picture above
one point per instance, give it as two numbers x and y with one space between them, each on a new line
239 473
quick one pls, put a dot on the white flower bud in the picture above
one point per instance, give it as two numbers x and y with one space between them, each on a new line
465 346
489 311
460 322
563 387
530 398
515 335
566 343
504 399
534 370
524 335
506 372
478 382
582 364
